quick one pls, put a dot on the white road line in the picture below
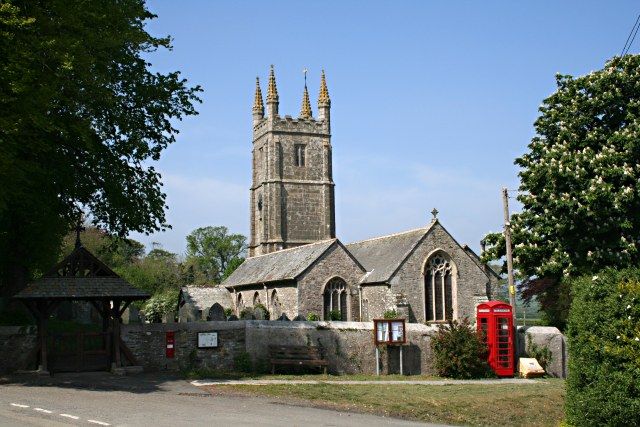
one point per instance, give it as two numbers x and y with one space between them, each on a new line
73 417
19 405
46 411
99 422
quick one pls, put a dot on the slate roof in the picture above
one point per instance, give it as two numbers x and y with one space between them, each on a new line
71 287
286 264
203 297
382 256
81 276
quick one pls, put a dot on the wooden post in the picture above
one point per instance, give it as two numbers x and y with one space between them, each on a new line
42 336
507 238
116 333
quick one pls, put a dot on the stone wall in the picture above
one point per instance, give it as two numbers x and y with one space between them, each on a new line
348 346
551 338
470 281
16 344
148 344
336 262
376 300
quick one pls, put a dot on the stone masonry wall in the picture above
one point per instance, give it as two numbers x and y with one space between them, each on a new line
471 281
336 262
376 300
16 344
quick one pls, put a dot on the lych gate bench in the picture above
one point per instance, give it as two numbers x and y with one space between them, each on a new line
296 355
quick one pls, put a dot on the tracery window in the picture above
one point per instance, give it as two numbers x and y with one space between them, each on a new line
335 299
274 302
438 288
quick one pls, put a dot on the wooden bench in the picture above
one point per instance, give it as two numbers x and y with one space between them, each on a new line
296 355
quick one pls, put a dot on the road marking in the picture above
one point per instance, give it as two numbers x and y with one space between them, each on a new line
99 422
19 405
46 411
73 417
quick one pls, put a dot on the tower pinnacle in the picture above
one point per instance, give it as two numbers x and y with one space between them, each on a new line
272 90
258 106
305 112
323 98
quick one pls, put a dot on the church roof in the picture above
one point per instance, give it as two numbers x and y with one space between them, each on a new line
203 297
382 256
286 264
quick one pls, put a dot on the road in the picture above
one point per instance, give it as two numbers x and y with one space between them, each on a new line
152 400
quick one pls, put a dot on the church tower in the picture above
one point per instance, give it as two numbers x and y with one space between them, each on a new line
292 191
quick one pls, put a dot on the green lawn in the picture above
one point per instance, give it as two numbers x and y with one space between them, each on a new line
539 404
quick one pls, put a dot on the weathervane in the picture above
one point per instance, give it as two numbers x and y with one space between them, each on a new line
305 76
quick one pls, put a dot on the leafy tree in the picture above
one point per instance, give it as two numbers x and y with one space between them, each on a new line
579 185
81 119
113 251
214 252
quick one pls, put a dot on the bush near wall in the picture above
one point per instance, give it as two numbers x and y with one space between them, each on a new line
603 387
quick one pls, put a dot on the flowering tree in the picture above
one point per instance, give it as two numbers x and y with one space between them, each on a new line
579 185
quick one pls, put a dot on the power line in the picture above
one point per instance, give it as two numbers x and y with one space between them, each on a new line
631 37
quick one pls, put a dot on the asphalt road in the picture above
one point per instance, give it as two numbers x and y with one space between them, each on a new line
151 400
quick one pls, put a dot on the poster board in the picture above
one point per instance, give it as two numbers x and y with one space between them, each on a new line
389 331
207 339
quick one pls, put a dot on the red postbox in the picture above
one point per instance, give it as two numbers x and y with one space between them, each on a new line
495 320
171 344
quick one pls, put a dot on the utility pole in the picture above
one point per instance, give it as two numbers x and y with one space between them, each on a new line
507 238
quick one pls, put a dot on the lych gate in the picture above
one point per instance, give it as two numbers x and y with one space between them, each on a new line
81 277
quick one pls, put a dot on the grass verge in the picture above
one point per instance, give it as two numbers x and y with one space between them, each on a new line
198 374
538 404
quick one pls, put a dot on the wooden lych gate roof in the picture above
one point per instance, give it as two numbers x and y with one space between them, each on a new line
81 276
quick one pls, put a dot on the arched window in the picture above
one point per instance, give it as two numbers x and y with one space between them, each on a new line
256 298
335 298
438 288
239 304
274 302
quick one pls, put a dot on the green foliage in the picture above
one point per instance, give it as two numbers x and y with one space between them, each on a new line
390 314
82 117
228 312
214 252
159 305
313 317
459 351
263 309
578 185
603 387
335 315
541 353
242 362
246 313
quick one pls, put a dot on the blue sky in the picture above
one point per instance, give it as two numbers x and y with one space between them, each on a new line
431 101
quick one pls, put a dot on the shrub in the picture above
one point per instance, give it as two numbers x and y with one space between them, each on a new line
335 315
603 387
246 313
159 305
263 309
228 312
390 314
459 351
312 317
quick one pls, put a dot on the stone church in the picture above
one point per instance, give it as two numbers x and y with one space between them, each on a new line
296 266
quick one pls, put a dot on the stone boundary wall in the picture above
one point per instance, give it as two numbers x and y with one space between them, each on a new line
16 344
348 346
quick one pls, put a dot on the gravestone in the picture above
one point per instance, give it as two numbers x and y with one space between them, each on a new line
283 317
216 312
232 317
258 314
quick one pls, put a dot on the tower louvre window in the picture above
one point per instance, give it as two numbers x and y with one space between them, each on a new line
299 154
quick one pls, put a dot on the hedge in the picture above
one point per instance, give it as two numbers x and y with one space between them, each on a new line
603 387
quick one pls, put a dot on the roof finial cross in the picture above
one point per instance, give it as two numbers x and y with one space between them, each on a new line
434 212
79 229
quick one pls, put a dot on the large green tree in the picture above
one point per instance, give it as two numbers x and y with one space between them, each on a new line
82 118
579 185
214 252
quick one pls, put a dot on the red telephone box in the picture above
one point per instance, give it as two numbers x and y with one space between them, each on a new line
495 320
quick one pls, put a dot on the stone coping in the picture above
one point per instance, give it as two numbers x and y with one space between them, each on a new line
209 382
